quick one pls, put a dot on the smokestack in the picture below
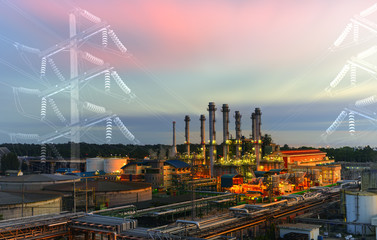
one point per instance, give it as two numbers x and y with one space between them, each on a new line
256 128
187 134
203 135
225 111
212 135
237 117
174 152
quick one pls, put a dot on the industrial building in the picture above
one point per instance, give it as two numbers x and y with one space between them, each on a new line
162 174
299 231
263 168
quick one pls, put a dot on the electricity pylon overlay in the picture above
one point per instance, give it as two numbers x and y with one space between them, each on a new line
353 66
74 126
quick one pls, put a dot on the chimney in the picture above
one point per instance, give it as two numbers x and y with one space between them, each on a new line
203 135
212 136
225 110
237 117
174 148
256 128
187 134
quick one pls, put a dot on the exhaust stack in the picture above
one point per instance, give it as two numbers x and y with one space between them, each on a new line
225 110
256 129
203 135
237 117
187 134
174 147
212 136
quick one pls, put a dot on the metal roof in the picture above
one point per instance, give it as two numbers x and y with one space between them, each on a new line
230 176
134 163
177 164
302 152
259 173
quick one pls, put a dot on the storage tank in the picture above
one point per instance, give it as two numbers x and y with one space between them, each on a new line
94 164
112 165
360 208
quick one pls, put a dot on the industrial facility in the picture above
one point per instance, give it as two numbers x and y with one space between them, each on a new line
261 168
239 189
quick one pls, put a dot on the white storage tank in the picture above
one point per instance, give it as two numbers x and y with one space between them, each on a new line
360 208
94 164
113 165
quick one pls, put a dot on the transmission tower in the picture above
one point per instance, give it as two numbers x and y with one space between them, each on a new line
84 67
354 66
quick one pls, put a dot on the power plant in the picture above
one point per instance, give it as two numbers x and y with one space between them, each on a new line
252 163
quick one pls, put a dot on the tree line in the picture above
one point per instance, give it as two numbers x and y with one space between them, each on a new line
87 150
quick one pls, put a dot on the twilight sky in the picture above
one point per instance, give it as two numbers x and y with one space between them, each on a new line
276 55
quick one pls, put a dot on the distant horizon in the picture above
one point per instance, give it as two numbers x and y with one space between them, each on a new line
183 144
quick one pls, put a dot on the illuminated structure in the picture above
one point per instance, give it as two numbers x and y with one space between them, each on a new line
174 147
304 157
162 174
237 117
187 134
225 110
212 136
203 135
257 140
277 172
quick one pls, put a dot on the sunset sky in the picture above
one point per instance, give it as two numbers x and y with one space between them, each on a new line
275 55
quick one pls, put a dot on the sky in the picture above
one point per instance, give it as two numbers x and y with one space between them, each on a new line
276 55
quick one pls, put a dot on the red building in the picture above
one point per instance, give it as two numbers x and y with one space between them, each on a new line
304 157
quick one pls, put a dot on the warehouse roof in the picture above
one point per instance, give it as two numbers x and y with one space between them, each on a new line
177 163
302 152
38 178
135 163
230 176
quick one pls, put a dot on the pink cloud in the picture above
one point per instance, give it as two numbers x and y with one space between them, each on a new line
180 32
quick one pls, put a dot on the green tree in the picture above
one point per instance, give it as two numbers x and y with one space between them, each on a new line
9 162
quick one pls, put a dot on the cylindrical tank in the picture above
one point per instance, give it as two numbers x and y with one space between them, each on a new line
94 164
112 165
360 208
